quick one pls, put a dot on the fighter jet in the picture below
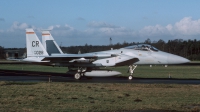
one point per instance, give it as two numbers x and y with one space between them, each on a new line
137 54
88 64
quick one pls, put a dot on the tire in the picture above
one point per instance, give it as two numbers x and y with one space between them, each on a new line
130 77
77 76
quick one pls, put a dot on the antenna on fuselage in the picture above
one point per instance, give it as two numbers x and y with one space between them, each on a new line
60 44
110 41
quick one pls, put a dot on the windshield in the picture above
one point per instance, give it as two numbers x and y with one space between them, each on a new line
142 47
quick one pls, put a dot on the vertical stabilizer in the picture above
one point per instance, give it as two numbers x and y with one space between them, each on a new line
33 45
49 43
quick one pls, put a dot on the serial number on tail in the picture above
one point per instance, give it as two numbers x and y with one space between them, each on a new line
38 52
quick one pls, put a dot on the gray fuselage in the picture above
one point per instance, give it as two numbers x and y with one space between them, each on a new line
147 56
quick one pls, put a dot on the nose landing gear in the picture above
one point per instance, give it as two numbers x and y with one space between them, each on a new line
131 71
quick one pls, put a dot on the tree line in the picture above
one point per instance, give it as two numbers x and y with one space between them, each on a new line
189 49
2 52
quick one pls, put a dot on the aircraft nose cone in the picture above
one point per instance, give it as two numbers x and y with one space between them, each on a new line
174 59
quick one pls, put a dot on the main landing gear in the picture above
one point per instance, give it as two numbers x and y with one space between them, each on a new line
77 76
80 73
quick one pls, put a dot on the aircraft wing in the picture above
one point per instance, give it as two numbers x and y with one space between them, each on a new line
90 57
13 59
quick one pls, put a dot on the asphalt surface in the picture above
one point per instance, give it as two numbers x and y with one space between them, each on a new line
27 76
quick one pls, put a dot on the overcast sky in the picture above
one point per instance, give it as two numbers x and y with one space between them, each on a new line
77 22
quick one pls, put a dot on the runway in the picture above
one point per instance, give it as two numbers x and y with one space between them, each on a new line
27 76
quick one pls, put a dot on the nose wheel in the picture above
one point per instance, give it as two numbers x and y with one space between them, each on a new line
130 77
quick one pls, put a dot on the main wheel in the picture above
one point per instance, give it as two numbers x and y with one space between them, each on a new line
130 77
77 76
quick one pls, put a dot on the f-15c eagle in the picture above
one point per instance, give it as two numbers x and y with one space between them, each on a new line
88 64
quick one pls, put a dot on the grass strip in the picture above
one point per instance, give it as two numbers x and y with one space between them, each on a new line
59 96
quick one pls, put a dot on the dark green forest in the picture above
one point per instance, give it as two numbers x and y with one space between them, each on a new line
189 49
1 52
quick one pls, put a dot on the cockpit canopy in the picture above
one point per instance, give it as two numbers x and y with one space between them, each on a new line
142 47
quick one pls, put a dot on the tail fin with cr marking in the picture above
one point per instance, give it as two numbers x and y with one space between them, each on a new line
33 45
